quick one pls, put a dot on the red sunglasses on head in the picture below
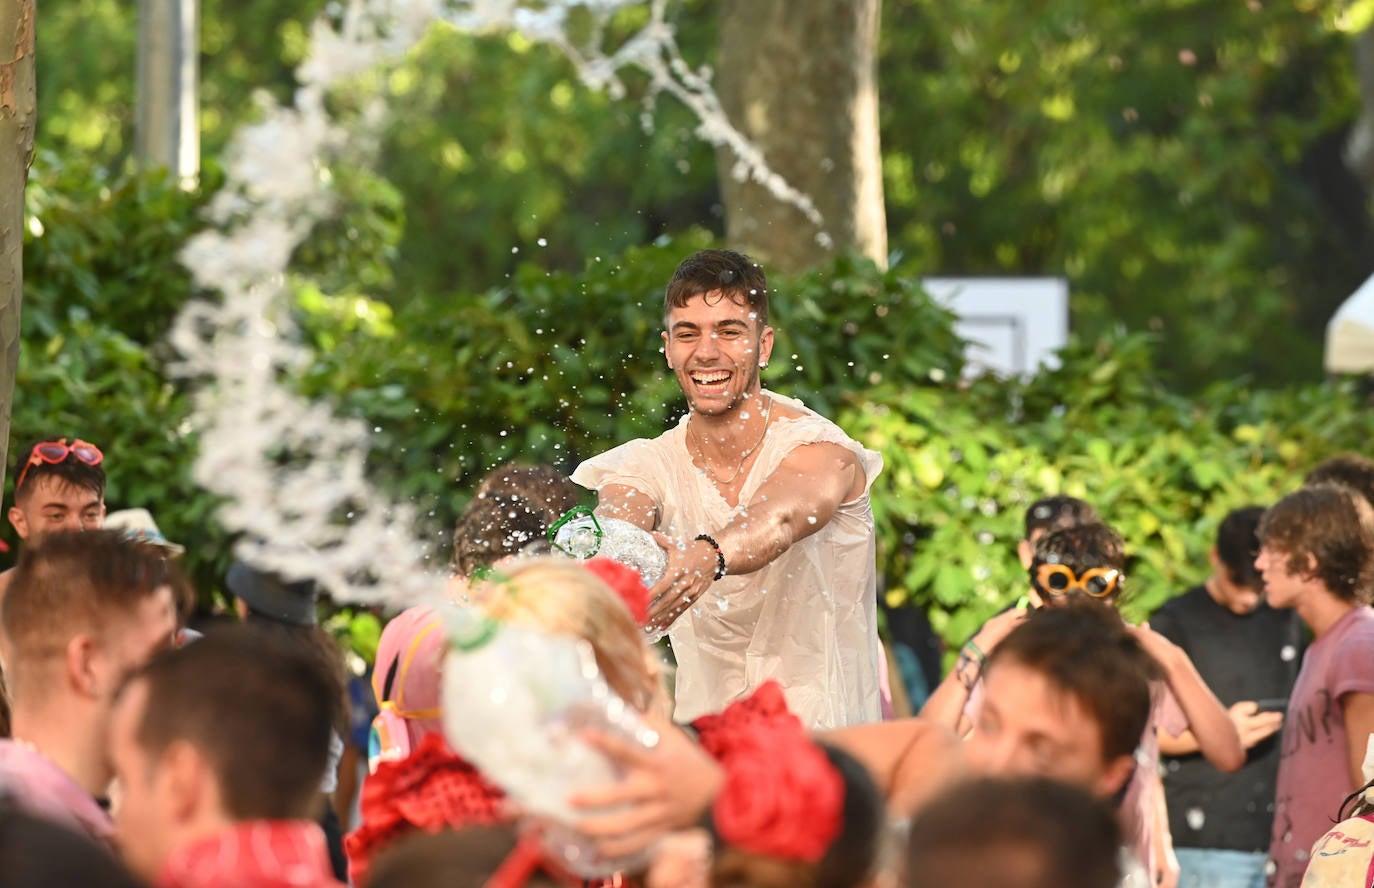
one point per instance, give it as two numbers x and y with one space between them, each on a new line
55 452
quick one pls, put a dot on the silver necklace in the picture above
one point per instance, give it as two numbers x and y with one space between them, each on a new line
706 465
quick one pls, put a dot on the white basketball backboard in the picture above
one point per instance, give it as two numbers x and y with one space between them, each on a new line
1013 325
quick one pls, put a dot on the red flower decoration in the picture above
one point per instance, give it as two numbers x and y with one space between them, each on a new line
763 709
782 797
626 582
431 789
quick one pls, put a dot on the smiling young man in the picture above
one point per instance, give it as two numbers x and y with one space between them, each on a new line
763 508
1317 557
59 485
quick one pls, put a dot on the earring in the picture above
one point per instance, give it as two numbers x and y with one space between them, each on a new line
763 365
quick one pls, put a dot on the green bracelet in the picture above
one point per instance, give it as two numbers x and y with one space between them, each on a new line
976 655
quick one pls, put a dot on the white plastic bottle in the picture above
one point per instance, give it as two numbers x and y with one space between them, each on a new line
515 703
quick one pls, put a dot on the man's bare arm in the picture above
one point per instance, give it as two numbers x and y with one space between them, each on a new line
628 504
798 499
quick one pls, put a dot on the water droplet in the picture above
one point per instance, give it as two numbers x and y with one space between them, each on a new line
1196 818
542 242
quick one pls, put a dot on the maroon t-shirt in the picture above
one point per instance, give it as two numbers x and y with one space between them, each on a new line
1314 771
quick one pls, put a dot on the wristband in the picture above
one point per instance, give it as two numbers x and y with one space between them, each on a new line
972 651
720 556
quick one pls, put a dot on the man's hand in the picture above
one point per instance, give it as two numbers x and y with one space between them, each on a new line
664 789
1252 724
690 572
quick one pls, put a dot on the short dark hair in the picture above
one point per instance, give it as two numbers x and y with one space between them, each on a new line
1057 512
1085 650
37 853
1350 469
70 471
1332 525
1081 548
512 510
735 275
1238 545
1014 833
71 582
466 858
255 705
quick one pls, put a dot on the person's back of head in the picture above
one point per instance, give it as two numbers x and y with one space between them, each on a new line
257 708
1056 513
540 486
36 853
1014 833
1086 560
1051 513
1237 544
465 858
230 729
59 484
1348 469
1324 532
510 514
564 597
85 595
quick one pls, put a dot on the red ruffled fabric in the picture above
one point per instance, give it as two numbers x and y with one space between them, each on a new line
782 797
431 789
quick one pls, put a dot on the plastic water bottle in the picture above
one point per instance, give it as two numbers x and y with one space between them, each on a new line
515 703
582 534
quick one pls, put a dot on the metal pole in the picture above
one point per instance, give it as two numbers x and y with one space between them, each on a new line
167 131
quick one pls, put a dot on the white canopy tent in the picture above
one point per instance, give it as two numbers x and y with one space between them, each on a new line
1350 333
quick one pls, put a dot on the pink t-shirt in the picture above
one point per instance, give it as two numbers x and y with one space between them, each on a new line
1144 794
42 789
1314 771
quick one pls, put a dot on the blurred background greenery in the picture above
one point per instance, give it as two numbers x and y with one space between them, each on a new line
491 289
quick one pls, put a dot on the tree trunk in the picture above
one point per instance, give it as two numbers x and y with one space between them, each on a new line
798 78
18 115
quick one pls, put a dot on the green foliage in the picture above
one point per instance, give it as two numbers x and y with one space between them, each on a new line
964 462
101 286
1179 163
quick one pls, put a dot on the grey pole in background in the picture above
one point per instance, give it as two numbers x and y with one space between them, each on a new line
167 131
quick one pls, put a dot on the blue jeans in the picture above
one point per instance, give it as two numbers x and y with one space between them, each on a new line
1213 868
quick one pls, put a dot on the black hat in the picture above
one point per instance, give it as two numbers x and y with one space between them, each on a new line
271 596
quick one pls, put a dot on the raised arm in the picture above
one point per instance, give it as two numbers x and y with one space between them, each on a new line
796 500
1216 735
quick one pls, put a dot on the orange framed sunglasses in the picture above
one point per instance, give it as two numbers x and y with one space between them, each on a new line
55 452
1060 579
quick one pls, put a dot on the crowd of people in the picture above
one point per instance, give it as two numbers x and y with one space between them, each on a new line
1222 743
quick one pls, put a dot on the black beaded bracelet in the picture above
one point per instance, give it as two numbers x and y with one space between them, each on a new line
720 556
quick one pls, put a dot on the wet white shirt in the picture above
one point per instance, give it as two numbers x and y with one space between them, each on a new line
807 620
